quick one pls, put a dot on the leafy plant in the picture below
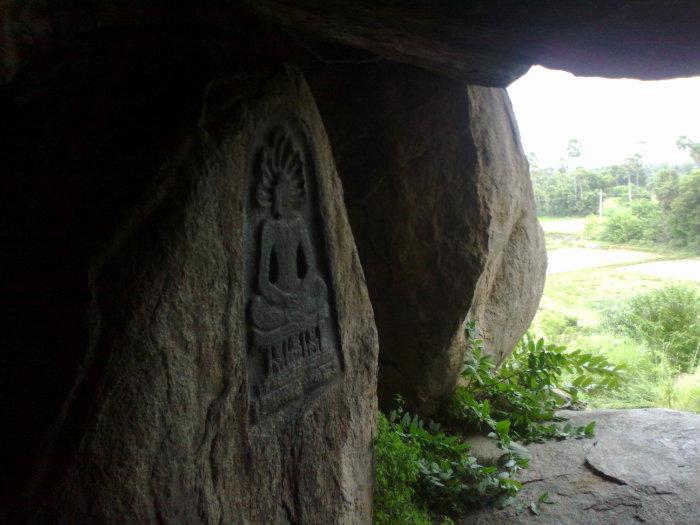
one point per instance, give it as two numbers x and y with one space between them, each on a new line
424 472
528 388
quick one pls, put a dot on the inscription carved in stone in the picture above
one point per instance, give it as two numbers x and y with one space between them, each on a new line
293 347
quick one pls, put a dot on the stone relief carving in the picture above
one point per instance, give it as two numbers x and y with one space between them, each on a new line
292 337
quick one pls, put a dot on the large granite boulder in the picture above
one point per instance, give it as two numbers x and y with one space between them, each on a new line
441 206
643 466
191 317
509 289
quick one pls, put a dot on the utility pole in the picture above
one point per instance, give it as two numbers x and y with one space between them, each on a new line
600 203
629 187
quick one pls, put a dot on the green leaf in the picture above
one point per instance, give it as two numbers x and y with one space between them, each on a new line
544 498
502 427
589 429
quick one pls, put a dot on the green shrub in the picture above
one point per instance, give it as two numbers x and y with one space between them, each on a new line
641 221
621 226
423 474
593 227
397 471
667 320
526 391
647 373
666 188
553 324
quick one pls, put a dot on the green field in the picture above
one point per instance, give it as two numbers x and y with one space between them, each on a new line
574 309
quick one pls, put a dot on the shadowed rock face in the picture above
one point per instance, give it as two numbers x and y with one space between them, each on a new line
493 42
481 42
140 204
441 205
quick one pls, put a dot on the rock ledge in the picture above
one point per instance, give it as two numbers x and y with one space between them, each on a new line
643 466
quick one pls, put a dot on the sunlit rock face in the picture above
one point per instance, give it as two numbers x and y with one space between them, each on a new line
213 357
441 205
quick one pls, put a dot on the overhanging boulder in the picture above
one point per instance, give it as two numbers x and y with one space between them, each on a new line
441 206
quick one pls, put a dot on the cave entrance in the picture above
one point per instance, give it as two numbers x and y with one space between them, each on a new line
615 168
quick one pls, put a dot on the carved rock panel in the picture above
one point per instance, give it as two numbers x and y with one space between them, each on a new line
213 387
292 335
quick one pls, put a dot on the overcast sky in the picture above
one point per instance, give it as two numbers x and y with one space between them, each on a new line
608 117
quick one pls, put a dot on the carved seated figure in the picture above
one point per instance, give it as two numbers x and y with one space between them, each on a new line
291 290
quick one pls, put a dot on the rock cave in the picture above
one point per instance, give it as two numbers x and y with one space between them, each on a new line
233 230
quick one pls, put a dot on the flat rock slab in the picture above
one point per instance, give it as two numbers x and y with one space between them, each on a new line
643 466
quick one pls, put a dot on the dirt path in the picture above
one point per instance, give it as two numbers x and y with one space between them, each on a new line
684 269
630 261
569 225
571 259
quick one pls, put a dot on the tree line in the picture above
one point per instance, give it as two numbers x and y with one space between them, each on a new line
649 203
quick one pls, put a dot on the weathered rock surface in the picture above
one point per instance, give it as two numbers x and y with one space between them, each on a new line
194 402
487 43
441 206
643 466
492 43
510 286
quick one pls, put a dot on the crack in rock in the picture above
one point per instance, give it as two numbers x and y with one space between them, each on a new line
613 504
654 491
603 475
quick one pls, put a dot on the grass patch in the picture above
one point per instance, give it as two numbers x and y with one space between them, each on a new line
589 294
687 387
584 295
594 311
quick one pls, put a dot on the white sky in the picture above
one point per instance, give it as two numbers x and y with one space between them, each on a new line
608 117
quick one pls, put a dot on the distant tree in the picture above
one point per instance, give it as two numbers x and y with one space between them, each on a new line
685 211
617 174
573 149
600 179
633 166
666 188
684 143
532 161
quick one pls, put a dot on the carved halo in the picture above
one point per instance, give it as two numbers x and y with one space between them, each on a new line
280 162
